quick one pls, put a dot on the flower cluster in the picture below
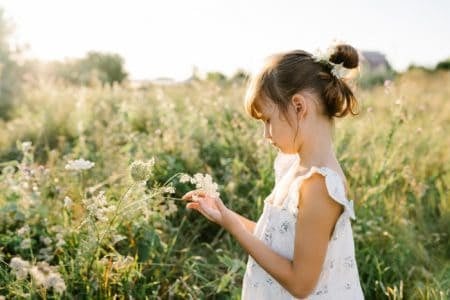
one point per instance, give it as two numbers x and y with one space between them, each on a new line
203 182
338 70
140 170
79 164
42 274
99 207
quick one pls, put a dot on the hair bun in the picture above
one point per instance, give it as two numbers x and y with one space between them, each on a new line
345 54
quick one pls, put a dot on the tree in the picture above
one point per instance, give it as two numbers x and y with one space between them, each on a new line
109 66
443 65
104 67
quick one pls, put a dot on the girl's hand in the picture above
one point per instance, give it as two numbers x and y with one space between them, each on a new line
212 208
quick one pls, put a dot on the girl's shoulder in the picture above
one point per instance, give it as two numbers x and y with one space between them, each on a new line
335 184
332 171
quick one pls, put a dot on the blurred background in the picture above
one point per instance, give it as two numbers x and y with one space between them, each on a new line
114 82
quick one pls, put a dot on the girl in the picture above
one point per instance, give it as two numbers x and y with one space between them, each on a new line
302 245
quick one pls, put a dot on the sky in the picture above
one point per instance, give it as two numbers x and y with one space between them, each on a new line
167 38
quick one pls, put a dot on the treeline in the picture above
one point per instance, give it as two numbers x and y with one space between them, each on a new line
93 69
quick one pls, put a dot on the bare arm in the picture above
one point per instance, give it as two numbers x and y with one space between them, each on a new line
317 216
277 266
248 224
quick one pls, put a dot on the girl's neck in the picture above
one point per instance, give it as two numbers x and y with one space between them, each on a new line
318 151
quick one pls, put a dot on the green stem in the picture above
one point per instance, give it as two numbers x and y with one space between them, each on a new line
111 221
168 180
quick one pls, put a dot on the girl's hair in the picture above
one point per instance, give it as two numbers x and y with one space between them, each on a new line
286 74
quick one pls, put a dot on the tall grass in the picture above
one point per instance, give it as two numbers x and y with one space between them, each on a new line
395 155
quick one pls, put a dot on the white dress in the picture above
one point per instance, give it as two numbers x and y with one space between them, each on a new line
339 278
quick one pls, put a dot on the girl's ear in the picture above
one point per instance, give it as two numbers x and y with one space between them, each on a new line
299 103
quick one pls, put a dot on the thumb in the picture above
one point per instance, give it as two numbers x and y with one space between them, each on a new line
192 205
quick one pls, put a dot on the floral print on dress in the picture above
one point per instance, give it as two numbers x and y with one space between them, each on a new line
284 227
349 262
322 291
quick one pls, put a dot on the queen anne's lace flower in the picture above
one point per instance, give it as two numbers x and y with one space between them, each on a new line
169 189
79 164
23 231
37 276
25 244
203 182
19 267
185 178
55 281
47 276
140 170
98 206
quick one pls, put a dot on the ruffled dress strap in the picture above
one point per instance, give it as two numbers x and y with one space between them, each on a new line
335 187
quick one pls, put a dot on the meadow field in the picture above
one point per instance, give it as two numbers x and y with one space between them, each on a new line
114 227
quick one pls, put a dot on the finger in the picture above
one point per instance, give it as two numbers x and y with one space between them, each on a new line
189 195
198 208
192 205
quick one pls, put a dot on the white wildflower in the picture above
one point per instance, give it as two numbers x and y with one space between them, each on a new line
24 230
26 146
205 183
79 164
320 55
25 244
99 207
339 70
19 267
45 240
55 281
171 208
117 238
169 189
185 178
68 202
60 239
46 254
140 170
37 276
47 276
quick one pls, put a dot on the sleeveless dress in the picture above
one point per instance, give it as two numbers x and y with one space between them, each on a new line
339 278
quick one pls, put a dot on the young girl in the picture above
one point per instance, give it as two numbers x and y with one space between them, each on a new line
302 245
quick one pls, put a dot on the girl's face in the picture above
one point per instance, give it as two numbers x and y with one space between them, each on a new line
277 130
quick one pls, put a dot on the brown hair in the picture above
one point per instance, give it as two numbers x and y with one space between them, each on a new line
288 73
